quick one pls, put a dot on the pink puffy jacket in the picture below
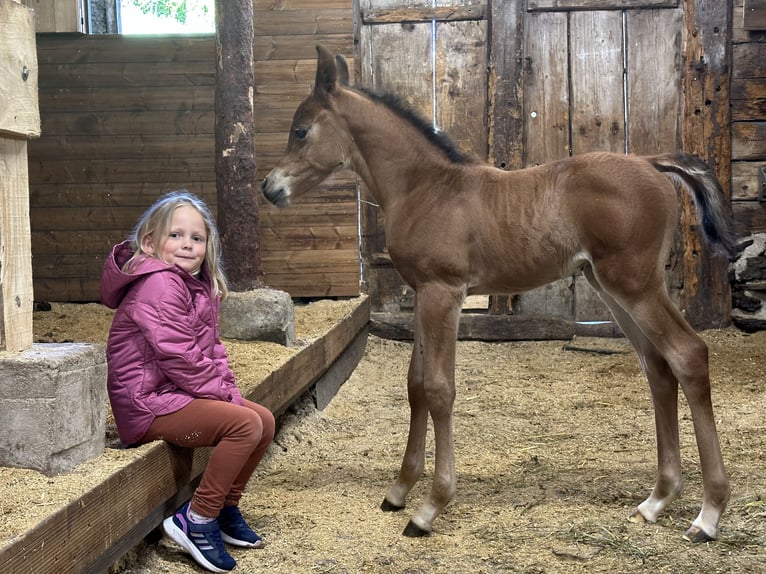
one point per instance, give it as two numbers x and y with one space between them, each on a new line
164 349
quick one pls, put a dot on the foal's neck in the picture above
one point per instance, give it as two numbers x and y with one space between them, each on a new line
392 155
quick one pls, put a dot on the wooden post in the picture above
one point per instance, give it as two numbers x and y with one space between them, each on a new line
706 294
19 120
238 217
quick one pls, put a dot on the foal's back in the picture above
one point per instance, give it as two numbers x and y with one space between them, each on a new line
544 222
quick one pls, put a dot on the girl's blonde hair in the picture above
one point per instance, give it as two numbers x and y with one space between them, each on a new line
156 222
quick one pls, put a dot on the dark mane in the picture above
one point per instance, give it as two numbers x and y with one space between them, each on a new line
440 139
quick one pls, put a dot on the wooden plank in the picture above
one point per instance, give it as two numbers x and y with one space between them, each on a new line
150 122
314 285
58 15
314 261
748 99
305 22
92 532
111 217
461 75
754 15
131 194
103 49
287 5
706 298
327 386
749 60
124 147
746 179
546 132
425 14
16 295
292 47
653 70
739 34
480 327
597 82
546 89
189 74
748 140
19 112
558 5
116 170
127 98
506 117
750 215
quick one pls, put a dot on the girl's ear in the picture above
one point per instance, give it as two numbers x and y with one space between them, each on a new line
147 246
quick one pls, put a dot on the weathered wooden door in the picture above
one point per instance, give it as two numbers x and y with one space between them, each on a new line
433 55
552 80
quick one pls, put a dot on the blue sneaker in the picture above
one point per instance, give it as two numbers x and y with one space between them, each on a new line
202 541
234 529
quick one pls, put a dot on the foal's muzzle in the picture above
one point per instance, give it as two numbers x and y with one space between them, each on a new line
278 195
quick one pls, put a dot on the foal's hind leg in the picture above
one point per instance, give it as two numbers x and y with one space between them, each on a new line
664 390
671 353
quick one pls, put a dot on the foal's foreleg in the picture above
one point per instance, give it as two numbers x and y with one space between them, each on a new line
437 312
413 462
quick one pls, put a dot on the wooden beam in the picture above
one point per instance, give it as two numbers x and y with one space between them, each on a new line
95 530
16 298
705 132
480 327
19 112
234 144
578 5
425 14
19 121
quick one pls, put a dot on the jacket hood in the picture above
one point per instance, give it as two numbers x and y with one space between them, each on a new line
115 281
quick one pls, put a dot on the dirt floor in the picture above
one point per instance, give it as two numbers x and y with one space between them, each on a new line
555 446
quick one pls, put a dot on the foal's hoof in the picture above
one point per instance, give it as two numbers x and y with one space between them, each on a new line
387 506
636 517
696 534
414 531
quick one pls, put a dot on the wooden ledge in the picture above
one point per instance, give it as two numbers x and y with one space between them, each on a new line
94 531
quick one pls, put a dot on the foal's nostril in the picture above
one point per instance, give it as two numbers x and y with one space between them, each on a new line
264 184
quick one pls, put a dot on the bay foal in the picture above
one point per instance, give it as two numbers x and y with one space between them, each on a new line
455 226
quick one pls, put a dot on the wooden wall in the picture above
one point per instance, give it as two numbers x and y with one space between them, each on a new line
748 162
748 126
127 118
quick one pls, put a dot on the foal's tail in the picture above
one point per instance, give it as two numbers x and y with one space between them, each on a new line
709 197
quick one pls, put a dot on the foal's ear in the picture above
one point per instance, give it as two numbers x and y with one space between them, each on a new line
327 74
342 67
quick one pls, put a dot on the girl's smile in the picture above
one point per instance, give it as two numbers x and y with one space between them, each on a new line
186 243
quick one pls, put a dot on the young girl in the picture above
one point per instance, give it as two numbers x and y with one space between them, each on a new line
168 373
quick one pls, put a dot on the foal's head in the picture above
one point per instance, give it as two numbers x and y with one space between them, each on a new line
318 143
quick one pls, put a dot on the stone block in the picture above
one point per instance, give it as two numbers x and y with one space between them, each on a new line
53 403
258 315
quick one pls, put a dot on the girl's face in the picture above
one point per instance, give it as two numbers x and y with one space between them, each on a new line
186 243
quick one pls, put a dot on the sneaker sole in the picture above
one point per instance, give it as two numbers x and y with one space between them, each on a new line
180 538
240 543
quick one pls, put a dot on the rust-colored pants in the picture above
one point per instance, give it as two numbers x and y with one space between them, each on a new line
240 436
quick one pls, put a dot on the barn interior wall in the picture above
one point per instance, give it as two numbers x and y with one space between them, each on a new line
748 167
125 119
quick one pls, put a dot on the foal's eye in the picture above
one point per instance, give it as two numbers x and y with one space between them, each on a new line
300 133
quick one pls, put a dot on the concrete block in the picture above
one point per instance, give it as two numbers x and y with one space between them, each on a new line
258 315
53 403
